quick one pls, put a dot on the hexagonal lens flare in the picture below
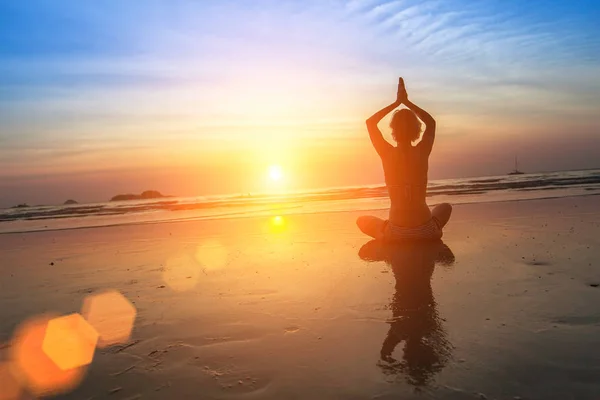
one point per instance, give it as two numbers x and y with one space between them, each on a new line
70 341
10 389
182 272
40 374
111 315
211 255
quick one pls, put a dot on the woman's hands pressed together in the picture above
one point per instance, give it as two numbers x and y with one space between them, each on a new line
402 96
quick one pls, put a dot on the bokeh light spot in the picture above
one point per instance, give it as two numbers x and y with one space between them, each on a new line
40 374
111 315
10 389
211 255
70 341
181 272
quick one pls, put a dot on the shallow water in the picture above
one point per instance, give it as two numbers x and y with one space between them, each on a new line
455 191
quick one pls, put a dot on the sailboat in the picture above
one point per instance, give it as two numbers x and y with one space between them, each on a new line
516 170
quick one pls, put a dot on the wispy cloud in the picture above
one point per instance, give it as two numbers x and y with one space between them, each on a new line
456 32
481 50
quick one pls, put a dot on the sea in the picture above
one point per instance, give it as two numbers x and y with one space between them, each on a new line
366 198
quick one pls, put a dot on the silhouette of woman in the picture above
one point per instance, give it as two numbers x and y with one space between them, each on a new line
415 319
405 167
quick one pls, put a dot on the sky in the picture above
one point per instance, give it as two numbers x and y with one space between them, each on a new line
201 97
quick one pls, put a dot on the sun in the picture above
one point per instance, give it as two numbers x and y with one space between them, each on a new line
275 173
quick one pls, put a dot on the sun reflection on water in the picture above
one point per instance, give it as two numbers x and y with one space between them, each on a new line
277 224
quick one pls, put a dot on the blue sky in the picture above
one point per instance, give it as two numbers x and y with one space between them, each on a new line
100 87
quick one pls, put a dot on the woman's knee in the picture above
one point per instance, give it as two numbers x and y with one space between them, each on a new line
362 221
366 222
370 225
446 208
442 213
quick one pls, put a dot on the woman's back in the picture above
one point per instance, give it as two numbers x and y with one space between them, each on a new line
405 169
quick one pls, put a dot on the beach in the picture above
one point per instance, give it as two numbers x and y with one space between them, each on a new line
304 306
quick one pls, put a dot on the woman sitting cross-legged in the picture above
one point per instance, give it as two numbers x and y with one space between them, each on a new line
405 168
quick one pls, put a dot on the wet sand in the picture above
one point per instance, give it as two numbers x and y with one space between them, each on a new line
306 307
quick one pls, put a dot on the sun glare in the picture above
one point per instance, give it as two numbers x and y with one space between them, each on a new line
275 173
277 224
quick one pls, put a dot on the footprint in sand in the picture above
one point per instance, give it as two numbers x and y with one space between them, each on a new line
291 329
589 320
535 262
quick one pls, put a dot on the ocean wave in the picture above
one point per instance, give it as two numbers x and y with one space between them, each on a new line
483 188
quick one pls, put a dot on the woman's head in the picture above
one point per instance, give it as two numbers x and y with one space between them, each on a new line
406 127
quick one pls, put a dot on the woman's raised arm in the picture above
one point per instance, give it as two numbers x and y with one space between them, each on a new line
429 134
377 139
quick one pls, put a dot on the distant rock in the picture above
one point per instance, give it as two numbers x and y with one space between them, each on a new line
147 195
68 202
23 205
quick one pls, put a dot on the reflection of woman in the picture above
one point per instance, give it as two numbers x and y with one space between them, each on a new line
405 167
415 319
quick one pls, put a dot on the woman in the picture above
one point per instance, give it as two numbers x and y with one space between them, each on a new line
405 168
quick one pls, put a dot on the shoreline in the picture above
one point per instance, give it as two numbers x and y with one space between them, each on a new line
273 212
381 185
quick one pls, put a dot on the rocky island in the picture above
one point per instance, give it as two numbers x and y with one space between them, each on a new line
147 195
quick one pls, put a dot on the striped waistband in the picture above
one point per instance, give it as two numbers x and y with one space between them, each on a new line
429 230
